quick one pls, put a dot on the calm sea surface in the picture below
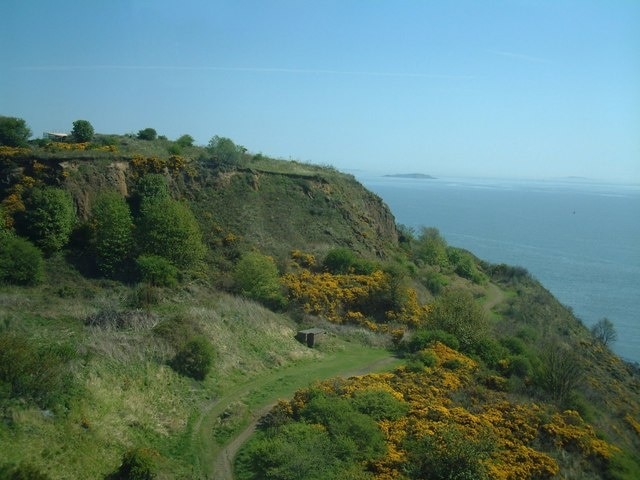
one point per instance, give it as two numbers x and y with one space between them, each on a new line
580 239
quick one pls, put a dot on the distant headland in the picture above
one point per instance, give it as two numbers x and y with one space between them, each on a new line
412 175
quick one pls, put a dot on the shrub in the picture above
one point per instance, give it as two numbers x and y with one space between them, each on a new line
225 151
431 248
185 140
379 404
157 271
14 132
82 131
342 261
194 359
457 313
449 454
147 134
424 338
256 276
356 436
21 263
137 464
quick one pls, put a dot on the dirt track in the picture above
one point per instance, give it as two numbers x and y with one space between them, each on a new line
223 463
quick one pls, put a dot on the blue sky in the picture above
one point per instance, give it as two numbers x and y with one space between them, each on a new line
520 88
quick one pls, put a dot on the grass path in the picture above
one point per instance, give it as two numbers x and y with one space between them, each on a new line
263 391
495 295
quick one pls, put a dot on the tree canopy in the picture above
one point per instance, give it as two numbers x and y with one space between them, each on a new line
82 131
14 132
147 134
168 228
113 228
48 218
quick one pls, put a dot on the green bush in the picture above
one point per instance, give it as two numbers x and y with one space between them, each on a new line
185 140
356 436
147 134
157 271
342 260
379 404
137 464
194 359
431 248
434 281
457 313
21 263
465 265
448 454
424 338
256 276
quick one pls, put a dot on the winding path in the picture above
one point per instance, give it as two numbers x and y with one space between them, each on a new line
216 460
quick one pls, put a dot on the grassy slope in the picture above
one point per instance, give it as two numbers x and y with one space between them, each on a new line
126 395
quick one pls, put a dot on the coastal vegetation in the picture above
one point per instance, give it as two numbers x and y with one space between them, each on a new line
151 290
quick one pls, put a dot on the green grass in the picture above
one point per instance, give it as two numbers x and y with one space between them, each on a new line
267 389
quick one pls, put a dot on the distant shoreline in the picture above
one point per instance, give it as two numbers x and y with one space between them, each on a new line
411 175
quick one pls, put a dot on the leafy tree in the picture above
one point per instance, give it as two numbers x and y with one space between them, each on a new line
147 134
225 151
604 331
157 271
185 140
14 132
431 248
168 228
48 217
194 359
82 131
113 227
150 187
560 372
456 312
256 277
21 263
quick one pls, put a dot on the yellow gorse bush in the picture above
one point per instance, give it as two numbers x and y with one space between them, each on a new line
517 429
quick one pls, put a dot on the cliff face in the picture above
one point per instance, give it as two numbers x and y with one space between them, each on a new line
281 211
277 211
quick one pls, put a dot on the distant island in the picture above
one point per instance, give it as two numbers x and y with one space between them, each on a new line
411 175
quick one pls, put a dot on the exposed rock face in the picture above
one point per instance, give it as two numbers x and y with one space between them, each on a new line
85 181
275 211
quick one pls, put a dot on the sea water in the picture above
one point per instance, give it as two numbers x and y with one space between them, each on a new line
580 239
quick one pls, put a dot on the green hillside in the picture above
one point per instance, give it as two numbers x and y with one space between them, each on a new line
151 290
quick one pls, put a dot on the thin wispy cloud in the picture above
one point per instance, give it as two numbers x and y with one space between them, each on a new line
519 56
266 70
